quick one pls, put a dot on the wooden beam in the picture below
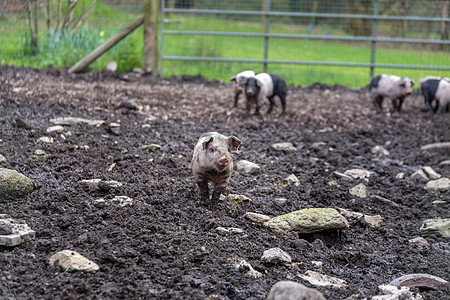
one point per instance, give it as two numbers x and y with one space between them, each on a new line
151 16
82 64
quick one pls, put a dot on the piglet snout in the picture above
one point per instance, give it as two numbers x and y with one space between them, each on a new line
223 162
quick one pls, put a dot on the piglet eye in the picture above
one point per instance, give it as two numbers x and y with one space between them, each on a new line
212 149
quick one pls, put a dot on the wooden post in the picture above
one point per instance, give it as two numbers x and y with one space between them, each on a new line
79 66
151 16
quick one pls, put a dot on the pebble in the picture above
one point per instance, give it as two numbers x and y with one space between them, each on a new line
292 179
276 255
46 139
73 261
255 217
2 159
421 281
14 232
359 190
56 128
247 167
291 290
316 278
289 147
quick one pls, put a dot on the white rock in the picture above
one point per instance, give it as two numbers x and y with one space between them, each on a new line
2 159
445 163
431 173
441 184
419 241
400 175
46 139
122 200
284 147
342 175
276 255
359 190
241 264
73 261
111 67
349 214
247 167
232 230
292 179
317 145
290 290
14 232
235 198
56 128
281 201
379 150
420 175
436 227
391 292
358 173
73 120
319 279
94 183
371 221
258 218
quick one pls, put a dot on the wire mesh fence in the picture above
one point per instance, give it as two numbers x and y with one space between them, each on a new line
328 41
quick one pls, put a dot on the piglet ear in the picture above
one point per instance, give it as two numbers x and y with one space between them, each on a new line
233 79
412 82
258 82
207 140
234 143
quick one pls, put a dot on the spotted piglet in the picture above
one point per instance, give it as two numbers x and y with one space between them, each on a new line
213 162
392 87
265 85
435 89
239 83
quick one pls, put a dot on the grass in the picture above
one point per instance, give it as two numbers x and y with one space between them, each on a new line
103 22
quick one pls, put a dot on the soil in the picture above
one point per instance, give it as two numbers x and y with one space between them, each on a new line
165 245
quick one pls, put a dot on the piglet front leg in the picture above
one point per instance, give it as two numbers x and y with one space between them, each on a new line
216 196
203 191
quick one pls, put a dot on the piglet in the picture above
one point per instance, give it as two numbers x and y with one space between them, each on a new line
213 162
392 87
435 89
265 85
239 82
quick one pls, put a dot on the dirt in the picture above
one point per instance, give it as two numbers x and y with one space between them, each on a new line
165 245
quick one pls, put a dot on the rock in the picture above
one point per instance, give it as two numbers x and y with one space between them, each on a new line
231 230
292 179
152 147
419 241
420 175
445 163
14 232
73 120
421 281
391 292
442 145
439 203
281 201
371 221
333 183
290 290
247 167
244 266
235 198
258 218
400 175
431 173
358 173
56 128
435 228
46 139
308 220
2 159
379 150
359 190
342 175
95 184
349 214
319 279
13 184
111 67
318 145
275 255
122 200
289 147
441 184
39 152
73 261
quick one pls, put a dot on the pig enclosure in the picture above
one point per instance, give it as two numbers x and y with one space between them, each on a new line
165 245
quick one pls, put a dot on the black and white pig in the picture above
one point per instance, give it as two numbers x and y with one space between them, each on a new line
212 161
392 87
265 85
435 89
239 83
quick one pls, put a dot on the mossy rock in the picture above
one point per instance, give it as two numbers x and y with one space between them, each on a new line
308 220
14 185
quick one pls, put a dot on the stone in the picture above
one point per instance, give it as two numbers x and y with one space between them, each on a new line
441 184
400 175
292 179
14 232
243 266
281 201
56 128
308 220
152 147
231 230
431 173
379 150
318 145
235 198
276 255
73 261
14 184
46 139
445 163
290 290
342 175
122 200
96 183
359 190
39 152
73 120
318 279
349 214
419 241
289 147
358 173
2 159
371 221
247 167
391 292
111 67
420 175
435 228
255 217
421 281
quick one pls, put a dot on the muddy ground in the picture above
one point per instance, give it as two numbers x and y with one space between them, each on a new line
165 246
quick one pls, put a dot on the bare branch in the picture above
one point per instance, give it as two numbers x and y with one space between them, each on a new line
69 12
83 17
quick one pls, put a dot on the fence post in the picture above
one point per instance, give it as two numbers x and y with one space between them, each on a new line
266 30
374 34
151 15
161 36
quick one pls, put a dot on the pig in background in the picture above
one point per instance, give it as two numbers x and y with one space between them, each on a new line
265 85
435 89
239 84
392 87
213 162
